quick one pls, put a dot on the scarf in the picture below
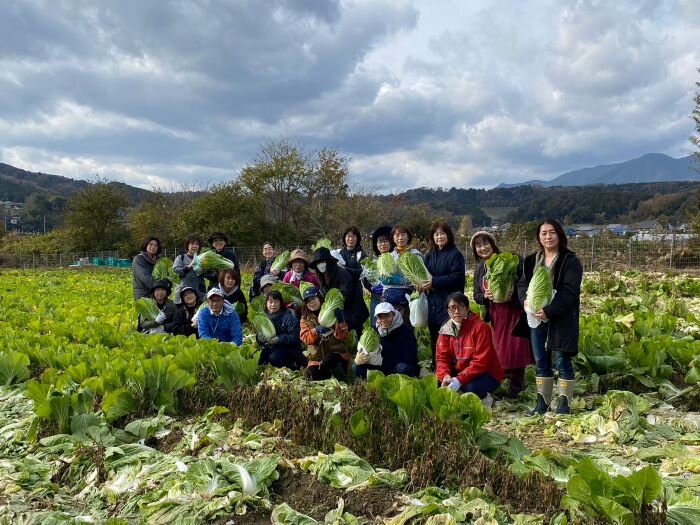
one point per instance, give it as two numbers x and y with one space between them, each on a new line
401 250
395 323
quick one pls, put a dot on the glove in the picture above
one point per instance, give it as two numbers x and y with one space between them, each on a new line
160 318
322 330
375 358
274 340
377 289
454 385
339 315
362 356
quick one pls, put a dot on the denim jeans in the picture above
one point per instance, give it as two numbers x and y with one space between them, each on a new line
481 385
543 357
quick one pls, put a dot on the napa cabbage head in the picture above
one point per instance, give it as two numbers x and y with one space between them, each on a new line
386 265
281 262
539 291
501 271
333 301
264 326
413 267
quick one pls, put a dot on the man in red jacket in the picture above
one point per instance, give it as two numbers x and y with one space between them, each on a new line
465 355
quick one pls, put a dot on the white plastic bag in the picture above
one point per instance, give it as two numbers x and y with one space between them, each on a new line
419 311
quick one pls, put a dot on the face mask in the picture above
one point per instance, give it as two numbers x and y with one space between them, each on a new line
321 267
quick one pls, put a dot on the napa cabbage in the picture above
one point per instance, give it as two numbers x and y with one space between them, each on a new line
323 243
290 293
163 271
281 261
210 260
413 267
146 308
264 326
501 271
333 301
369 340
539 291
386 265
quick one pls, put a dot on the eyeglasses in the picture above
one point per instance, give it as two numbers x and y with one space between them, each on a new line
456 308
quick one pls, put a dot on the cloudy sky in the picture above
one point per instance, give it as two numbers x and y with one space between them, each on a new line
418 93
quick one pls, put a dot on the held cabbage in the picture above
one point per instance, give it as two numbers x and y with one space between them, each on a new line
163 270
501 271
333 301
386 265
413 267
539 291
281 261
290 293
264 326
369 340
146 308
210 260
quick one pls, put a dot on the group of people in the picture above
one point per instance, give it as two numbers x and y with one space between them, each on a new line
469 354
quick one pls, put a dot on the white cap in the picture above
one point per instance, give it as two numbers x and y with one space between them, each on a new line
384 308
215 291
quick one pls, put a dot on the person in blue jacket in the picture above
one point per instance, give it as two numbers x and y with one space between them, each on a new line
446 266
284 349
218 320
398 351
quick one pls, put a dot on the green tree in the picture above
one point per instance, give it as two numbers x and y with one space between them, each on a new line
294 189
160 215
95 218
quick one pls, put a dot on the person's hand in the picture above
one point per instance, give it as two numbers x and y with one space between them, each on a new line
194 322
539 314
446 380
275 272
362 356
488 293
322 330
426 287
274 340
160 318
454 385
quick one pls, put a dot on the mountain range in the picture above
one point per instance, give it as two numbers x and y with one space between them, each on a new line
652 167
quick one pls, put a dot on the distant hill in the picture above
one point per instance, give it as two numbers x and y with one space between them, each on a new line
17 184
652 167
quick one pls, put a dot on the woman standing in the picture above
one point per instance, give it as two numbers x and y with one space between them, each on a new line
511 335
396 286
352 252
191 274
557 330
381 243
142 266
263 268
219 242
446 266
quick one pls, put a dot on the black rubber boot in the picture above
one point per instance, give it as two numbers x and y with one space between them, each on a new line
540 408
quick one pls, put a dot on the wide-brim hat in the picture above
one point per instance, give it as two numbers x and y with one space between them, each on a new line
298 255
482 233
165 284
217 235
382 231
322 255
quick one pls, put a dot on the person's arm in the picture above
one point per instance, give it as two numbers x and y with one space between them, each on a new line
524 279
143 272
290 327
483 346
568 294
236 329
479 297
203 324
170 311
179 266
515 298
307 333
443 358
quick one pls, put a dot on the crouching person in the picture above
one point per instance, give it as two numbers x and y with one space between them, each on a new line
398 351
218 320
164 321
284 349
326 348
186 315
466 358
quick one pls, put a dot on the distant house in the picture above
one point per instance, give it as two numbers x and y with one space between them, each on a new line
587 230
617 229
647 226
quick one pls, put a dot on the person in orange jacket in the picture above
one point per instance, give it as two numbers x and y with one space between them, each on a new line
326 348
466 358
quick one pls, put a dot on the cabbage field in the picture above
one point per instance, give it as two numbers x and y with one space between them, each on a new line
100 424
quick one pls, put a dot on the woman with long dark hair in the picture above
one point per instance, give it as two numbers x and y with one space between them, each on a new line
446 266
142 267
556 324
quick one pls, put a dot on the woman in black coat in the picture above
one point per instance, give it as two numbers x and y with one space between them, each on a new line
556 327
263 269
352 252
446 266
331 275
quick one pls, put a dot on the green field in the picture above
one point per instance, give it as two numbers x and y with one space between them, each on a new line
100 424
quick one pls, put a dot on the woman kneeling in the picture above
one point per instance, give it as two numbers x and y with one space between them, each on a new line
466 358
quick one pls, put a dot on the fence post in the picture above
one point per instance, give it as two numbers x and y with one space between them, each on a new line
592 251
670 259
629 256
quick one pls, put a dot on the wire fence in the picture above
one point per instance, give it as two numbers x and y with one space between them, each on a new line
664 252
